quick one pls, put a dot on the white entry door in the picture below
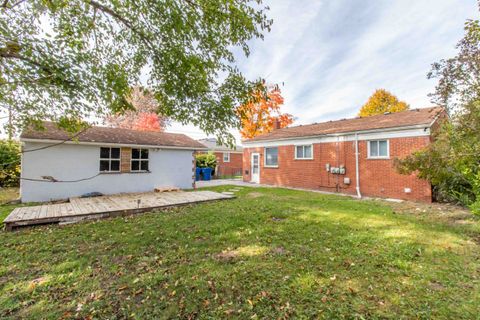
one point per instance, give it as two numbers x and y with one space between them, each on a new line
255 167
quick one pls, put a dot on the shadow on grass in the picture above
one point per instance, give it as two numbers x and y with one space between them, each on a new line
283 253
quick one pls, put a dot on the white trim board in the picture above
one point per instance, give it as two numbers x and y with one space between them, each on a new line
374 135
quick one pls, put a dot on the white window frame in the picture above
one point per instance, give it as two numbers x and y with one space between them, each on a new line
109 159
265 158
369 156
228 157
139 160
303 148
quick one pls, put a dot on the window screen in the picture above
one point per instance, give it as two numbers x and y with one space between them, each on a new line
303 152
378 149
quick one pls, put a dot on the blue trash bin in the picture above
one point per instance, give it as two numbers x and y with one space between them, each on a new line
207 174
197 174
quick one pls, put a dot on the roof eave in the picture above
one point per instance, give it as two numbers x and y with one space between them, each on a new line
428 125
99 143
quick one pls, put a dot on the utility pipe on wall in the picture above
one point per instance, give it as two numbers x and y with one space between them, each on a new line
357 174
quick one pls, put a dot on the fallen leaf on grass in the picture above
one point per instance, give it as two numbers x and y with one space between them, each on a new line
229 312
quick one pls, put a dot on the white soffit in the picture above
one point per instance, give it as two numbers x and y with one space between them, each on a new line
366 135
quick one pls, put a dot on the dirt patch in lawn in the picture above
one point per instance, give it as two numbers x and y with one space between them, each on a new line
278 251
443 211
226 256
255 195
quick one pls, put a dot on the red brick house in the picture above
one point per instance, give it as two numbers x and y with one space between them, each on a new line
353 156
229 161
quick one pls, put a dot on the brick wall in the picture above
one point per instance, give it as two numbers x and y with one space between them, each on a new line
378 177
229 168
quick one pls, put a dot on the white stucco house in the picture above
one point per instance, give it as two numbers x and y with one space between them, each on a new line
101 159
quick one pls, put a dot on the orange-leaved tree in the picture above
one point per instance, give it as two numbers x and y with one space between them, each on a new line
261 114
143 117
382 101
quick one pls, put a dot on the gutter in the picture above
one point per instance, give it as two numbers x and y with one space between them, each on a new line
357 173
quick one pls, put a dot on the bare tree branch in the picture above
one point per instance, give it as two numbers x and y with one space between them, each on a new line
124 21
14 55
5 4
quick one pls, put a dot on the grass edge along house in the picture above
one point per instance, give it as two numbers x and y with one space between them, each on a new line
353 156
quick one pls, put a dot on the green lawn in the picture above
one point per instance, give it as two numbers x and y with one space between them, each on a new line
270 253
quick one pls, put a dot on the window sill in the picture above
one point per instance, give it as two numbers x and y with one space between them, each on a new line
378 158
120 172
272 167
303 159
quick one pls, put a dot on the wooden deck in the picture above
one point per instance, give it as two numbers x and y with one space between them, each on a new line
78 209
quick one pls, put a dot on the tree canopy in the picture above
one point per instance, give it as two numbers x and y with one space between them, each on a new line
452 162
259 115
63 60
382 101
144 117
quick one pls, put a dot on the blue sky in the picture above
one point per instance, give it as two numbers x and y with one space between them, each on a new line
331 55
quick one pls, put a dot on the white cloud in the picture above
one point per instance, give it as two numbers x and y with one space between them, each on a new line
331 55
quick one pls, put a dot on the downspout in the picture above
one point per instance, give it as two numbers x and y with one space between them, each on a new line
357 174
337 184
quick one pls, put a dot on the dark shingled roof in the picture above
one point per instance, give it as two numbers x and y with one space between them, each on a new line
114 135
413 117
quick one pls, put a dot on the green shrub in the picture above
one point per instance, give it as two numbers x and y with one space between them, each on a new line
452 163
206 160
475 207
9 163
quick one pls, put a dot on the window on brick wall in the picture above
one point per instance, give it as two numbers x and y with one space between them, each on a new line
378 149
271 157
226 157
304 152
139 162
110 159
